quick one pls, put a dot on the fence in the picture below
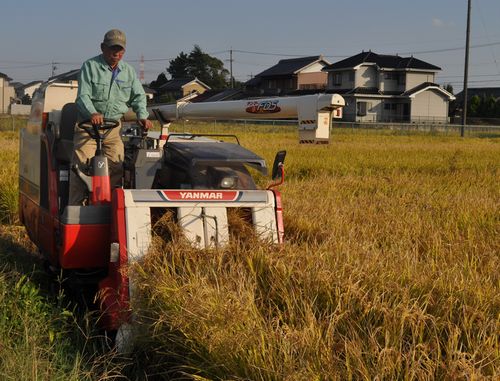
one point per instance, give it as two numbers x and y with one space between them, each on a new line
446 129
13 123
437 128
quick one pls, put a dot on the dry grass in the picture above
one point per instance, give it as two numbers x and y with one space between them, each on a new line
390 270
8 178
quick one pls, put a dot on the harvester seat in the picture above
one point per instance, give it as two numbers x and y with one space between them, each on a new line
64 145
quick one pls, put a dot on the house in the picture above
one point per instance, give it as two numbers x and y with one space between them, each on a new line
28 89
290 76
388 88
219 96
180 87
7 93
150 93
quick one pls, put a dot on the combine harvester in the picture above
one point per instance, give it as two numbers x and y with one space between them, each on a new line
196 177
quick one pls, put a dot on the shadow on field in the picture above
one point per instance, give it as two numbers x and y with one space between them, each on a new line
17 253
86 350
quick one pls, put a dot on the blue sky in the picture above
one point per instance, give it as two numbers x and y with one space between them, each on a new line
34 33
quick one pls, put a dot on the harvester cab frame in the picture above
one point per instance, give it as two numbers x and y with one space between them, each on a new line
197 178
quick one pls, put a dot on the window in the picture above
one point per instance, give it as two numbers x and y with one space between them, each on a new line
337 79
311 86
363 108
351 76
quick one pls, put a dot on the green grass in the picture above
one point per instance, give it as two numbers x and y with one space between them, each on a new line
390 271
42 337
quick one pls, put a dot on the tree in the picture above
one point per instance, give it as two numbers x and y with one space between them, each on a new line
160 80
26 99
210 70
474 105
179 66
449 88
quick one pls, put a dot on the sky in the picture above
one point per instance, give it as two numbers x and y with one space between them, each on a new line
34 34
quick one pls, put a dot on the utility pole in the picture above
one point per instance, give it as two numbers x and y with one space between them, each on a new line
466 71
141 70
231 67
54 68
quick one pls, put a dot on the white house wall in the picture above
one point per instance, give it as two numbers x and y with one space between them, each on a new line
346 83
351 110
391 84
314 68
429 106
415 79
366 76
6 93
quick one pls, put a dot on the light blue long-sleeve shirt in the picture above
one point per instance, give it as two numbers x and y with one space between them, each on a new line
98 92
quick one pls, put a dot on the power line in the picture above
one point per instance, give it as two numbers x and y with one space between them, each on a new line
484 81
453 49
31 64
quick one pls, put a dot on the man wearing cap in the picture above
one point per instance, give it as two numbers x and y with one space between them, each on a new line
107 87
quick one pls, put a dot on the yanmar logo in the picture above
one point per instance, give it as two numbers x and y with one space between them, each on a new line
201 195
263 107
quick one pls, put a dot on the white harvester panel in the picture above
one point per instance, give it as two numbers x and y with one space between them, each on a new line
202 214
313 112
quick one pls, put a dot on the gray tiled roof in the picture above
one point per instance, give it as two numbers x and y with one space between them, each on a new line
383 61
288 66
5 76
175 84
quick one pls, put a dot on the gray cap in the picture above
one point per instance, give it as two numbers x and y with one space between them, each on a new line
115 37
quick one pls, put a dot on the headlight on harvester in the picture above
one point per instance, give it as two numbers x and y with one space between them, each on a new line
229 182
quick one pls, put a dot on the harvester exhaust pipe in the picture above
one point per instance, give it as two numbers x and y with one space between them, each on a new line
314 113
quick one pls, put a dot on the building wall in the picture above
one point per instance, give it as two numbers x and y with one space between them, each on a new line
314 68
345 77
31 89
190 87
6 93
391 80
414 79
278 85
366 76
349 111
312 80
430 106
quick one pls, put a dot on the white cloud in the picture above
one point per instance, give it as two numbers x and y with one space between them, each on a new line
438 23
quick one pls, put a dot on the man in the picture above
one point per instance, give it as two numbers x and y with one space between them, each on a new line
107 87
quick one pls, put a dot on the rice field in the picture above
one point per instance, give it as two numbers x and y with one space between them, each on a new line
389 271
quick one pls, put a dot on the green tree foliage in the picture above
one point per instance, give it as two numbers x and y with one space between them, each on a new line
26 99
474 103
210 70
449 88
179 66
160 80
484 107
